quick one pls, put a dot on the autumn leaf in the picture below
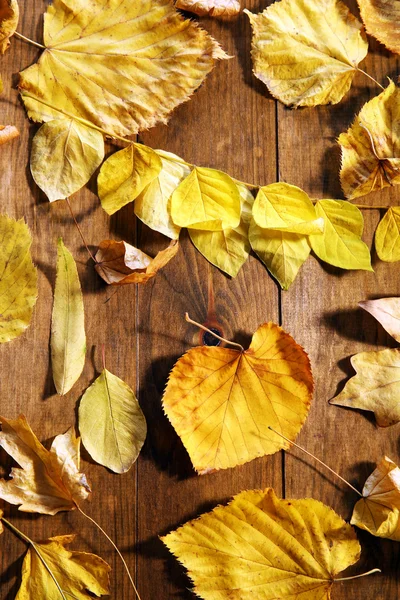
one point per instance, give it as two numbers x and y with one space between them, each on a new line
18 278
387 312
260 546
68 339
111 423
48 481
120 65
376 387
119 263
371 146
387 236
220 9
307 51
381 19
64 156
9 17
378 510
221 401
8 133
125 174
340 244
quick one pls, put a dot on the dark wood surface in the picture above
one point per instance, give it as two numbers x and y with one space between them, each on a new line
230 123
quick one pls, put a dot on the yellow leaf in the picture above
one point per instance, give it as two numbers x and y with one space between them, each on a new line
64 156
221 401
285 207
376 387
111 423
340 244
207 199
79 575
260 546
220 9
8 133
387 312
307 51
379 509
18 278
68 339
282 253
9 16
227 249
119 263
382 20
49 481
125 175
371 146
122 65
387 236
153 205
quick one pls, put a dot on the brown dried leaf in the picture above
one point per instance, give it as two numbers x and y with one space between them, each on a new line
220 9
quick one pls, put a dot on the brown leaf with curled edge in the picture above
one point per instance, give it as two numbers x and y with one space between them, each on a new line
387 312
220 9
9 16
119 263
382 20
8 133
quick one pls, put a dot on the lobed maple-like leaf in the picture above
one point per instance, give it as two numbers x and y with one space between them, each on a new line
382 20
387 236
9 17
220 9
387 312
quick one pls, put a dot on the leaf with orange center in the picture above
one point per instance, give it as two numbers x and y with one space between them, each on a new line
382 20
119 263
9 16
221 401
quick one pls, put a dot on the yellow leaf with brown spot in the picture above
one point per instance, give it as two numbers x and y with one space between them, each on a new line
220 9
382 20
9 17
387 236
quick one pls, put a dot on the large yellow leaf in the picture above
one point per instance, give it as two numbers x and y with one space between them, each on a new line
285 207
111 423
122 65
64 156
220 9
371 146
227 249
382 20
307 51
207 199
340 244
387 312
387 236
49 481
378 510
80 575
18 278
376 387
68 339
125 175
260 546
153 205
9 16
222 401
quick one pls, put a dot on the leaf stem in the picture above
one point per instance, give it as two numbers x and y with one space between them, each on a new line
26 39
80 230
115 548
371 78
317 459
189 320
357 576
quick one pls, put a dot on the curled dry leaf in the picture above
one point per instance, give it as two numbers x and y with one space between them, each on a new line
371 146
8 133
387 236
221 401
387 312
119 263
376 387
124 70
307 51
378 511
382 20
9 17
220 9
18 278
48 481
260 546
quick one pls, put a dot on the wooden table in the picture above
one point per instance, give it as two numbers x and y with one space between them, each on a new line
233 124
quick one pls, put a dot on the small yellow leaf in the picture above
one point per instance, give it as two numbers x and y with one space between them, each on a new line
387 312
382 20
80 575
376 387
9 17
307 51
378 510
125 175
340 244
220 9
371 146
208 200
153 205
8 133
387 236
260 546
48 481
285 207
68 339
111 423
227 249
221 401
64 156
18 278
